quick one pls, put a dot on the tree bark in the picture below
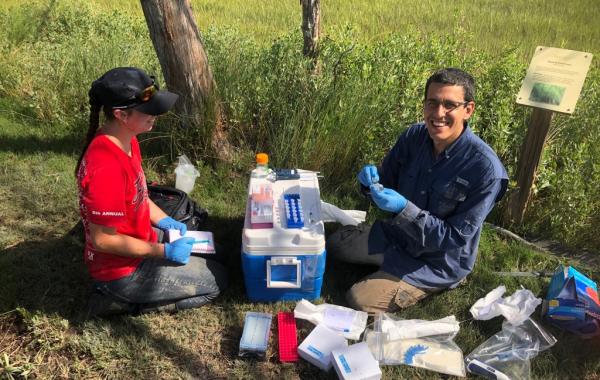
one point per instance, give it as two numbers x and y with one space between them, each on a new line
185 67
311 26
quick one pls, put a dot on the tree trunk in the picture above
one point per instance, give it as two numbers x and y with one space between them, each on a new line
311 26
185 67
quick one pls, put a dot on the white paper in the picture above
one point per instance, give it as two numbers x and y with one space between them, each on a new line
207 244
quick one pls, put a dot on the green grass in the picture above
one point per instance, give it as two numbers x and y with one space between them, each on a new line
368 91
497 24
45 286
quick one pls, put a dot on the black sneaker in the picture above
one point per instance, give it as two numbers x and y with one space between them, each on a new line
102 305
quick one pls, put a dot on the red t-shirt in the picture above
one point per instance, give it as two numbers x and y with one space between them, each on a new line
113 193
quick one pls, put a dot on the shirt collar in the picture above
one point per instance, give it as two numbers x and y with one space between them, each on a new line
461 141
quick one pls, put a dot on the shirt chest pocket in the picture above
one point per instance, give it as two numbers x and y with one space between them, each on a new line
446 196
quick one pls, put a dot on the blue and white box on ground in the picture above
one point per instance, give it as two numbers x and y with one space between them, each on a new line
317 346
255 337
287 260
356 362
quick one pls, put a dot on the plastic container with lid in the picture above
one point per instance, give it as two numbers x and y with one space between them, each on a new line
262 166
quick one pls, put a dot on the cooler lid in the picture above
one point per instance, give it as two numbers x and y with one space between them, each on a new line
280 238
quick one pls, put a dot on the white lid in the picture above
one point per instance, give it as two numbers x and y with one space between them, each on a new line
309 239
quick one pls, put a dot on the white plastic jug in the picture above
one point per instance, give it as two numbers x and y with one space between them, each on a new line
185 174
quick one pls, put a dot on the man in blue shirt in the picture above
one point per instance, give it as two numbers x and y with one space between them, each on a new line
439 181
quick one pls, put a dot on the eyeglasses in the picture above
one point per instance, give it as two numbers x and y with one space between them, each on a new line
449 106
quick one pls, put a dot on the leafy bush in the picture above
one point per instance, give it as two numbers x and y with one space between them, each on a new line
332 116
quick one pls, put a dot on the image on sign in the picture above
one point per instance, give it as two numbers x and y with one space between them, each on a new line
547 93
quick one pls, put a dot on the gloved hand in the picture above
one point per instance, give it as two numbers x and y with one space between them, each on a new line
388 199
168 223
179 250
368 175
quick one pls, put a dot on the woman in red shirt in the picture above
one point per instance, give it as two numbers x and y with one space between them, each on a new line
131 270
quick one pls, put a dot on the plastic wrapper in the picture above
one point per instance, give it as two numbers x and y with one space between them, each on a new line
186 174
516 308
434 348
507 354
347 322
331 213
416 328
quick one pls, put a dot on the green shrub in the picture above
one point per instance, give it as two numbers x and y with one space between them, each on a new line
332 116
50 56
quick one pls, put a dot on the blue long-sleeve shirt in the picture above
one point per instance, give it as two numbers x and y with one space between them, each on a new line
432 243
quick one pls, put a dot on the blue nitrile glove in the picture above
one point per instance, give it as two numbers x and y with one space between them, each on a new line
168 223
179 250
388 199
368 175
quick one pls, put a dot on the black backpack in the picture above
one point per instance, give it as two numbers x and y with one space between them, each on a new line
178 205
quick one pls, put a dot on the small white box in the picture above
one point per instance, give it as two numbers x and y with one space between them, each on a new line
356 363
317 346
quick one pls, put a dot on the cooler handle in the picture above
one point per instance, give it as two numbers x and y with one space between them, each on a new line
287 261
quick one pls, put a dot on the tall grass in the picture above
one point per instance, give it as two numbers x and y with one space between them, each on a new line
494 24
334 117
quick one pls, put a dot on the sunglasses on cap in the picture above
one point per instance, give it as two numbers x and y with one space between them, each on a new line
141 97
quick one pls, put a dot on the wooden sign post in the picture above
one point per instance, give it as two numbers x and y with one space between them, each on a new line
553 83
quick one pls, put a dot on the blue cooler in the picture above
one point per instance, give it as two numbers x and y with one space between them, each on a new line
285 261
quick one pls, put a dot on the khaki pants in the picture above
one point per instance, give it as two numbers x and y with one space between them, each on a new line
383 292
380 291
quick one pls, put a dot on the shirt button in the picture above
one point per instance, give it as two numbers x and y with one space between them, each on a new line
422 192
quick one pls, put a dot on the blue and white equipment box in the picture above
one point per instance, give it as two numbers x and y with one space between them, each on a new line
285 260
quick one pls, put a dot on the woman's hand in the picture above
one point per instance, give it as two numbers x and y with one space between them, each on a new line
168 223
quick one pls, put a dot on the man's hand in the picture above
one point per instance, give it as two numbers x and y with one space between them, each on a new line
368 175
168 223
179 251
388 199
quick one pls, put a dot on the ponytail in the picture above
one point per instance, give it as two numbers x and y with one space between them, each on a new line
95 107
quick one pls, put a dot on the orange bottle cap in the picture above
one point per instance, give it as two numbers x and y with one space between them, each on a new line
262 158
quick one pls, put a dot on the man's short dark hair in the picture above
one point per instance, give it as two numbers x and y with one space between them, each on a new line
457 77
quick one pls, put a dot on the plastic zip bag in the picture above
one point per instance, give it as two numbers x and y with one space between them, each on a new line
507 354
185 174
416 328
434 349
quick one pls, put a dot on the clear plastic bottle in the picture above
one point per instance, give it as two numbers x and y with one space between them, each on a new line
262 166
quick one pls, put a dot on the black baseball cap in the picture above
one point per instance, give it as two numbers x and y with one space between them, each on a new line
130 87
